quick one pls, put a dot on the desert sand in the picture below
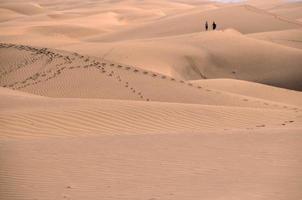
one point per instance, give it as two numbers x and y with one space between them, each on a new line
135 100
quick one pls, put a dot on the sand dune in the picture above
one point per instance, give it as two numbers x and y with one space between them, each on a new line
6 15
141 154
124 100
182 166
245 19
23 8
32 116
222 54
62 74
65 30
292 10
291 38
267 4
254 90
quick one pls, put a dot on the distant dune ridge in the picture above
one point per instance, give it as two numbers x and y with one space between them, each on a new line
135 100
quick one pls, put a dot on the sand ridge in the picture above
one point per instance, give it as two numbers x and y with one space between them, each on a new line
253 89
192 23
291 38
202 55
31 116
125 82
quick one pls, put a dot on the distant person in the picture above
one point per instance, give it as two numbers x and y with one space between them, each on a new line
207 26
214 26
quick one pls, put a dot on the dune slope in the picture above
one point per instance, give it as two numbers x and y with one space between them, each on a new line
182 166
254 89
243 18
291 38
62 74
31 116
222 54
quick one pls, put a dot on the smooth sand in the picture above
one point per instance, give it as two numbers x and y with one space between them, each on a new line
134 100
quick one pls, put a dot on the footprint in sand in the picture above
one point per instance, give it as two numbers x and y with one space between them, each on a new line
289 122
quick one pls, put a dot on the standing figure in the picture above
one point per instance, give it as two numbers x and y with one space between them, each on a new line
214 26
207 26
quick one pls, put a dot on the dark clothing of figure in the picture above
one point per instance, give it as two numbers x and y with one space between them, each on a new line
214 26
207 26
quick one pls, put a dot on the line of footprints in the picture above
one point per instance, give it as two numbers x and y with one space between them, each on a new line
66 63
